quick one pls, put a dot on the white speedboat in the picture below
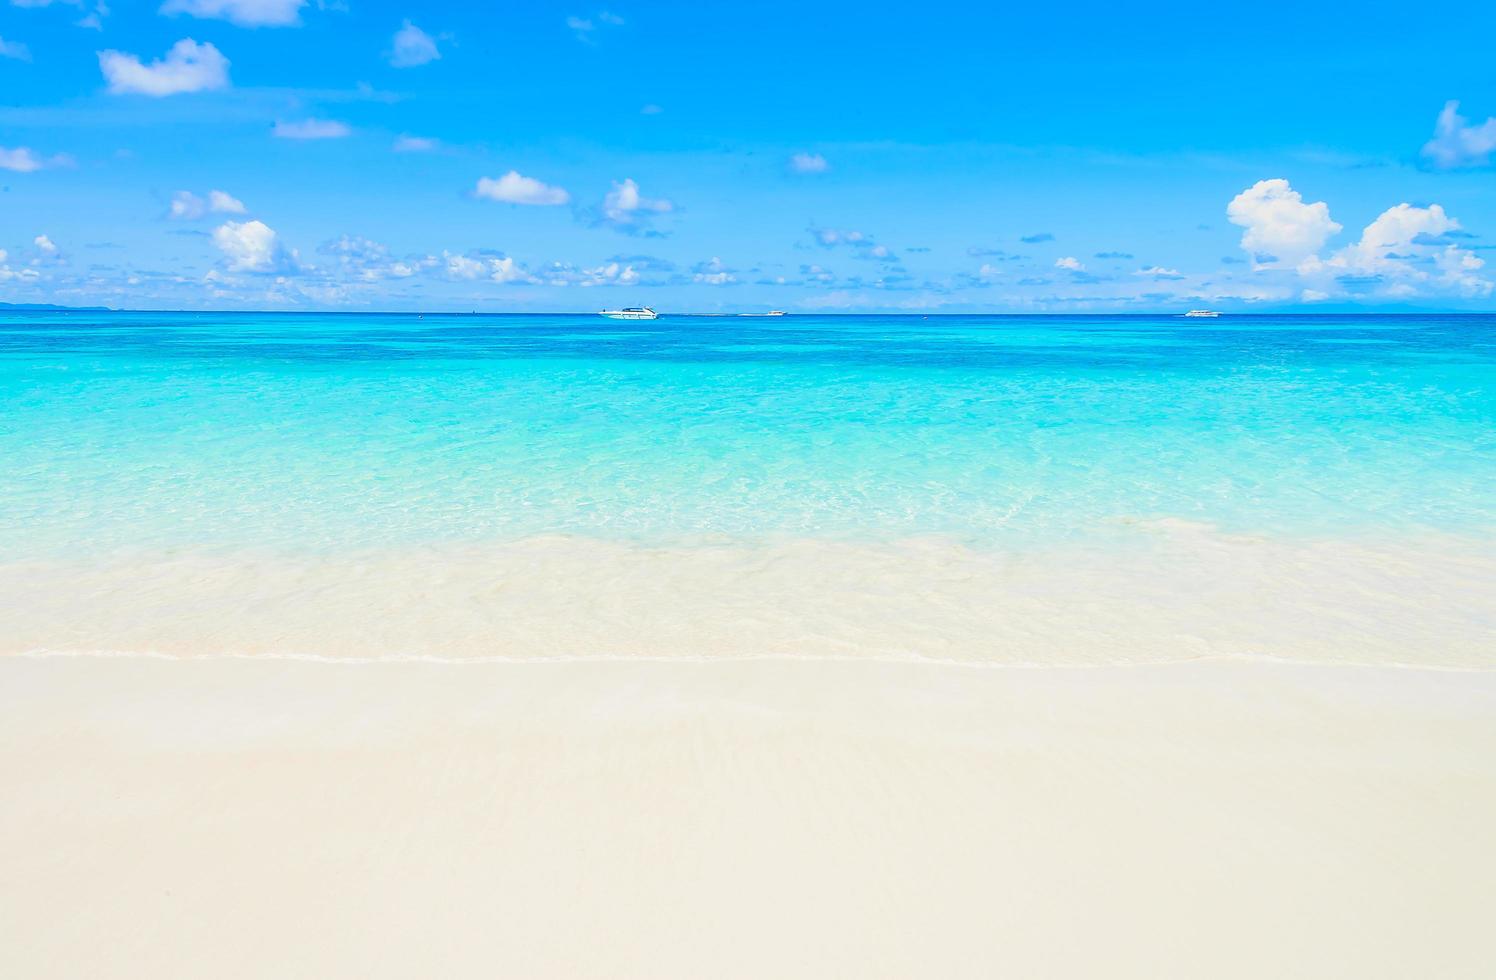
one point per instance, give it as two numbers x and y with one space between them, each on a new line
630 313
1202 313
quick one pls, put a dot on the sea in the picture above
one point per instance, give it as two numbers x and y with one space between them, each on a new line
1312 468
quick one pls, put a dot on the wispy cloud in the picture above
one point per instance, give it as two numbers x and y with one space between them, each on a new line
243 13
14 50
312 129
587 28
808 163
860 243
405 143
1458 144
412 47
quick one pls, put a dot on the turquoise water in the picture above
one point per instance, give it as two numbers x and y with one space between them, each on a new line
318 432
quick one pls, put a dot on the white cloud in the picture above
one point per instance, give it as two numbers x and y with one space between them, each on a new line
809 163
220 202
1159 272
613 273
625 198
500 270
1406 251
14 49
413 46
415 144
187 206
244 13
1458 144
627 210
22 160
95 21
713 273
1280 226
829 237
312 129
252 246
587 28
1069 262
516 188
861 243
187 67
44 244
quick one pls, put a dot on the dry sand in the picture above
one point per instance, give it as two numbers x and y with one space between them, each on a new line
796 818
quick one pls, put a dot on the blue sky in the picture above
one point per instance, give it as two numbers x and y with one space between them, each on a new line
286 154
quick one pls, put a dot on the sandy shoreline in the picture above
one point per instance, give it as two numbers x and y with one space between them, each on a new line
1151 592
250 818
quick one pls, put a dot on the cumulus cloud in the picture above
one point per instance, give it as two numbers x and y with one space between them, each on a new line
1406 251
187 67
713 273
808 163
1159 272
516 188
312 129
44 245
14 49
243 13
495 269
253 246
613 273
1069 262
412 46
626 209
1456 143
406 143
1279 224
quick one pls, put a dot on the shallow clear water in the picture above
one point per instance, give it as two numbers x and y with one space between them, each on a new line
331 432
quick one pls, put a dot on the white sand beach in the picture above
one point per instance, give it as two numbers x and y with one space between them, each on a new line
1150 592
277 818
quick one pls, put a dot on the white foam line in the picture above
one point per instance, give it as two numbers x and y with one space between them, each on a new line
605 658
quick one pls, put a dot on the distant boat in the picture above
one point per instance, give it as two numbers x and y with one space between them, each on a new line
770 313
630 313
1202 313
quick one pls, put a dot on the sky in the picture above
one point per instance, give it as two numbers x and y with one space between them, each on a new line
810 157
